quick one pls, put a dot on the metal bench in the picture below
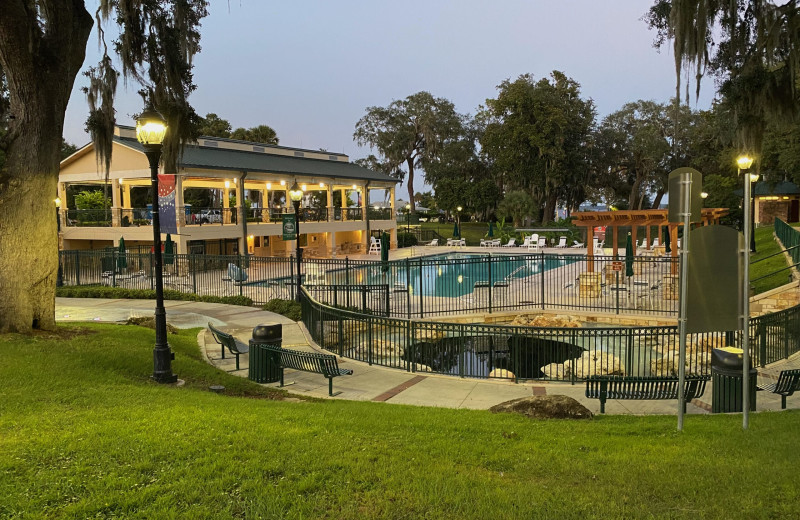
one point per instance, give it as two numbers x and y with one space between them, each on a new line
324 364
643 388
226 340
788 383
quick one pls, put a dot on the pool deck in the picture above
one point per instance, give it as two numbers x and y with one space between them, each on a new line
374 383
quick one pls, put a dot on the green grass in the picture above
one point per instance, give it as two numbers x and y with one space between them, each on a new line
767 245
85 434
472 231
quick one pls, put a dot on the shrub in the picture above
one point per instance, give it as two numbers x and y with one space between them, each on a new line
102 291
406 240
288 308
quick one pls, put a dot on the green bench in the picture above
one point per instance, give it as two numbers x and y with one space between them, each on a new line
643 388
324 364
226 340
788 382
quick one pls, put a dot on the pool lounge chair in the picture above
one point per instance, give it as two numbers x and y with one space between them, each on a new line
511 243
577 244
434 242
562 243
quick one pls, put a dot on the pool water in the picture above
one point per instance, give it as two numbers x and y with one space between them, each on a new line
450 275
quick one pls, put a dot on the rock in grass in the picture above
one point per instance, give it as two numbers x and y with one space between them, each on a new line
149 322
545 407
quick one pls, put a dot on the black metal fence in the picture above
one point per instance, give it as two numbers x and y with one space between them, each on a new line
570 353
416 287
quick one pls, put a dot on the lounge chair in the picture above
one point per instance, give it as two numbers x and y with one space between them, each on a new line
577 244
511 243
562 242
542 243
434 242
486 243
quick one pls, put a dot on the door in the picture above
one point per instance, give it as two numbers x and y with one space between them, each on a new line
794 211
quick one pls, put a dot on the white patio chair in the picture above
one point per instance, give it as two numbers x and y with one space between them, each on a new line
577 244
434 242
511 243
562 242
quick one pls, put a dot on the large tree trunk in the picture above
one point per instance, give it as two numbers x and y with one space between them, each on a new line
633 199
657 200
549 208
41 61
410 162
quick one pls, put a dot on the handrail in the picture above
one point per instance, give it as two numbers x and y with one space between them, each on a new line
775 254
774 273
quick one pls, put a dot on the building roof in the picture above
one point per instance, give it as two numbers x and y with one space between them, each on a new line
778 188
196 156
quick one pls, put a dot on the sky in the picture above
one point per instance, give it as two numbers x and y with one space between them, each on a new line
309 69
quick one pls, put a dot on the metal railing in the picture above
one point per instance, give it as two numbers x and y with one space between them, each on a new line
313 214
88 217
379 213
347 214
790 238
520 352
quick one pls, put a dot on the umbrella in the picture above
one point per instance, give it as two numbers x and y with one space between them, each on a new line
456 233
629 256
169 250
491 229
667 248
122 259
385 251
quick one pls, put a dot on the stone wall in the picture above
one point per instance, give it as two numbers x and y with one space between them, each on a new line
769 209
775 300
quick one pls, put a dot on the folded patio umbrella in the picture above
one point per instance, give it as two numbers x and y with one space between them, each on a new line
122 259
667 239
629 256
491 229
456 233
385 251
169 250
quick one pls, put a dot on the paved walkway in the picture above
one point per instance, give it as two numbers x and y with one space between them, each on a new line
373 383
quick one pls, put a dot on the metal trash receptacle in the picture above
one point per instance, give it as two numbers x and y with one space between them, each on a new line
726 381
264 366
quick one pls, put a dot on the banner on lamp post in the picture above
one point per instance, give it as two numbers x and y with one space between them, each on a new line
166 203
289 227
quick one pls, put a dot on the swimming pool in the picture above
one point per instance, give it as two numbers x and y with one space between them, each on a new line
449 275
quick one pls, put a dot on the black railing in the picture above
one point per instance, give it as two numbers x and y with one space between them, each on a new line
379 213
521 352
347 214
89 217
313 214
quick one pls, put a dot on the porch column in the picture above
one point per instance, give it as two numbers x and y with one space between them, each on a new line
241 218
344 203
649 241
116 207
330 240
633 237
590 249
226 204
364 217
330 202
265 204
62 214
615 236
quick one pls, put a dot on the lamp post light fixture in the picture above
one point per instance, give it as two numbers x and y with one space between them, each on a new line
744 163
296 195
151 127
408 218
458 219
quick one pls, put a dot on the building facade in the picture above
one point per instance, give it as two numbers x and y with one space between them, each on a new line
230 198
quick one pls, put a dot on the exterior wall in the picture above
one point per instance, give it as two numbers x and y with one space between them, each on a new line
775 300
767 210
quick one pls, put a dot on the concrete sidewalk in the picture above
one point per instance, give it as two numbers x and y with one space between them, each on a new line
373 383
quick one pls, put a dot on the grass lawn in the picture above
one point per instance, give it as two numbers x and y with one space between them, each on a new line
85 434
767 245
472 231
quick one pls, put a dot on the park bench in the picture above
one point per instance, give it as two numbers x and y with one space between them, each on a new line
788 382
226 340
642 388
313 362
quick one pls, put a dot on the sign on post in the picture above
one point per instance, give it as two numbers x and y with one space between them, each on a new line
289 226
616 266
676 195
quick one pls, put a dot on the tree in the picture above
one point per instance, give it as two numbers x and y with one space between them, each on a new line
409 132
517 205
257 134
752 47
42 48
535 137
214 126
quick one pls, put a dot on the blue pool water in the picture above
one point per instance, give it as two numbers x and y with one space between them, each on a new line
449 275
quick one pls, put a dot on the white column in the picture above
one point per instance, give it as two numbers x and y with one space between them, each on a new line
330 203
115 203
180 211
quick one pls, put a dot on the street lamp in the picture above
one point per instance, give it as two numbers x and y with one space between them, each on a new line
408 218
458 220
745 162
150 131
296 194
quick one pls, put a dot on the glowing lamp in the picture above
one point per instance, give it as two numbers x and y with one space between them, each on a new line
151 127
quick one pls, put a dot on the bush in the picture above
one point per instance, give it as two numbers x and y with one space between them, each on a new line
102 291
288 308
406 240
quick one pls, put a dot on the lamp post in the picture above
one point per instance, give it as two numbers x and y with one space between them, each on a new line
150 131
458 220
296 194
744 162
408 218
59 273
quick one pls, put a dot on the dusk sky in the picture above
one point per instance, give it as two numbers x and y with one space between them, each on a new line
309 69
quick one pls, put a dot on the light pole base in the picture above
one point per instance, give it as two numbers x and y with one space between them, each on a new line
162 361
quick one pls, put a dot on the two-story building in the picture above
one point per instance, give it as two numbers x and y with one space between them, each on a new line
230 196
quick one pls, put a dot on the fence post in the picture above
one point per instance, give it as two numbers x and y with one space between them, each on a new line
152 270
421 311
292 280
616 290
363 297
78 267
341 335
629 353
239 265
762 339
370 346
193 269
113 268
786 336
541 272
461 340
409 331
490 287
347 278
408 287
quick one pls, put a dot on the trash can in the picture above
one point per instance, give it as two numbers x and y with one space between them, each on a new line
726 381
264 366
